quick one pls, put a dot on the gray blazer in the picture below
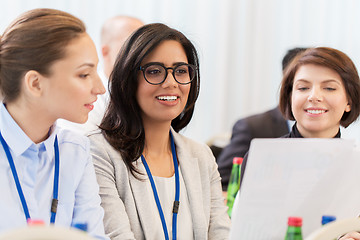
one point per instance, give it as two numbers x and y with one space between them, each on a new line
125 199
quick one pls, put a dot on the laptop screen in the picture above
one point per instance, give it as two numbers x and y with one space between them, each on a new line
307 178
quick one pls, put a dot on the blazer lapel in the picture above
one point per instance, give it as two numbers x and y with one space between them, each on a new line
142 192
190 172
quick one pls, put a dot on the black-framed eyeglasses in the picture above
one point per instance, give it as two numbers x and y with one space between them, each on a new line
156 73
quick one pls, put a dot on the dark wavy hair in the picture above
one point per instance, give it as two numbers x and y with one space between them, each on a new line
122 123
330 58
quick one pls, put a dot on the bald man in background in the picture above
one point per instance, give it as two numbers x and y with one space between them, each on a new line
114 33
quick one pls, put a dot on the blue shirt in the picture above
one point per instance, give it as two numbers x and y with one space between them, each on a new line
79 201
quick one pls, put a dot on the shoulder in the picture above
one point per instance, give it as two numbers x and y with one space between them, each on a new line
100 146
96 137
192 146
191 150
73 139
256 119
249 125
74 149
103 154
271 114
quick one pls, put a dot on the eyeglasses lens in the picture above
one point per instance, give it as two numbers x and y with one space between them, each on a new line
156 73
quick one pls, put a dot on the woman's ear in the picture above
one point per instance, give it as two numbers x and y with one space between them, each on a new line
32 83
348 108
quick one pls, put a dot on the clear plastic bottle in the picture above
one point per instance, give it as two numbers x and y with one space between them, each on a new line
294 229
234 183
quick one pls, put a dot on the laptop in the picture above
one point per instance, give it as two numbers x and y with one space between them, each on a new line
306 177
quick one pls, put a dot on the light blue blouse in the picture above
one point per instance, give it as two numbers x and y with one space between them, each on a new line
79 201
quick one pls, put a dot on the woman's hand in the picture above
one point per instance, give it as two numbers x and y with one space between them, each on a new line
351 236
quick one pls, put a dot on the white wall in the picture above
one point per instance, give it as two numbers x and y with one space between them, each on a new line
240 43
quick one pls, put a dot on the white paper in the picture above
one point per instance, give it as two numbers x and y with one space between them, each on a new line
296 177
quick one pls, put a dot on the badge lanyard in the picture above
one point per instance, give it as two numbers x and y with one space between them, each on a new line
18 186
177 192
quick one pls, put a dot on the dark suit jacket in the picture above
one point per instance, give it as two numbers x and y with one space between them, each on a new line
270 124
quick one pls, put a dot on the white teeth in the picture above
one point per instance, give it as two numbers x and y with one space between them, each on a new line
315 111
167 98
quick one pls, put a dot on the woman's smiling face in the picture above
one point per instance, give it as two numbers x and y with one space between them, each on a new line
318 101
163 102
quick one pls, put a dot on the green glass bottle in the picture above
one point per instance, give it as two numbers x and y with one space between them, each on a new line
234 183
294 229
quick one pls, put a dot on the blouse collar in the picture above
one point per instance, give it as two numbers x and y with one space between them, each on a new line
296 134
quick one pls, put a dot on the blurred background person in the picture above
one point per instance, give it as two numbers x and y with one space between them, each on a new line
270 124
114 33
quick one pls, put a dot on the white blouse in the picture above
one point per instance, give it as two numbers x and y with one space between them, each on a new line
166 191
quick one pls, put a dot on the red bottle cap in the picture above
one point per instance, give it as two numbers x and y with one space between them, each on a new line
295 221
237 160
35 222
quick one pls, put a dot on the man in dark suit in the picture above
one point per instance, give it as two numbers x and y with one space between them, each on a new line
270 124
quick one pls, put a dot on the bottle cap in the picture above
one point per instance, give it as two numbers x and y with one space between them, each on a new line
237 160
327 218
80 226
295 221
35 222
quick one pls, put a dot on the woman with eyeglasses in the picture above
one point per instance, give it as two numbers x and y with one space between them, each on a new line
154 182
